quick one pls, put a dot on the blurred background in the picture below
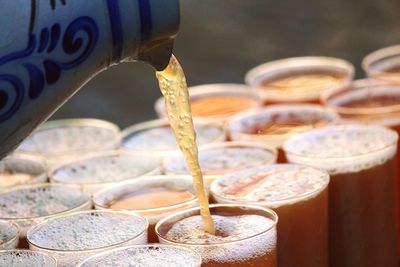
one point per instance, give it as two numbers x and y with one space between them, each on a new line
220 40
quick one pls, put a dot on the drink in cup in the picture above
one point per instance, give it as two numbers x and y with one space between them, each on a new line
298 194
26 258
299 79
383 64
8 235
20 169
31 204
361 161
220 158
245 235
61 141
74 237
272 125
146 256
156 137
216 102
103 169
152 197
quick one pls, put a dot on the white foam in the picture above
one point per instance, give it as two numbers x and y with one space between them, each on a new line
273 186
87 230
40 200
25 258
8 235
244 237
162 138
105 169
222 159
342 148
145 256
55 141
28 205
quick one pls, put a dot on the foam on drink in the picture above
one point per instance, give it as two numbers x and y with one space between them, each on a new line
330 148
8 235
244 235
26 258
271 186
102 169
31 204
155 255
21 169
220 158
158 136
77 236
63 140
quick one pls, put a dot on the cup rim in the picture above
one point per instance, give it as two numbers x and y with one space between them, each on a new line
28 251
98 155
377 55
240 205
126 133
253 76
104 253
228 144
274 203
319 158
40 224
239 134
212 89
360 85
140 180
14 237
87 202
73 122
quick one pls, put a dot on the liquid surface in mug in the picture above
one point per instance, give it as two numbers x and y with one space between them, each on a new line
151 198
223 105
300 82
256 251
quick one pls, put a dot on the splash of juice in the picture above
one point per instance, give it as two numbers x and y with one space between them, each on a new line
173 86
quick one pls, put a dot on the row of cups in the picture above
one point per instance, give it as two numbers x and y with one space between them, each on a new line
290 189
76 163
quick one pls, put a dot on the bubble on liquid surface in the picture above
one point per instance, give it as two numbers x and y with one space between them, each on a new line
40 200
219 160
146 256
162 138
64 139
343 148
25 258
102 169
238 237
87 230
8 232
272 185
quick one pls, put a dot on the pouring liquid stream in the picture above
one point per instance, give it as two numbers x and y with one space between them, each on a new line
173 86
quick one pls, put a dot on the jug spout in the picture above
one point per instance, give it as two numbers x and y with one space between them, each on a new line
157 54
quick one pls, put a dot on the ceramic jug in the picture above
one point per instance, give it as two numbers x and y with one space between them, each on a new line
50 48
